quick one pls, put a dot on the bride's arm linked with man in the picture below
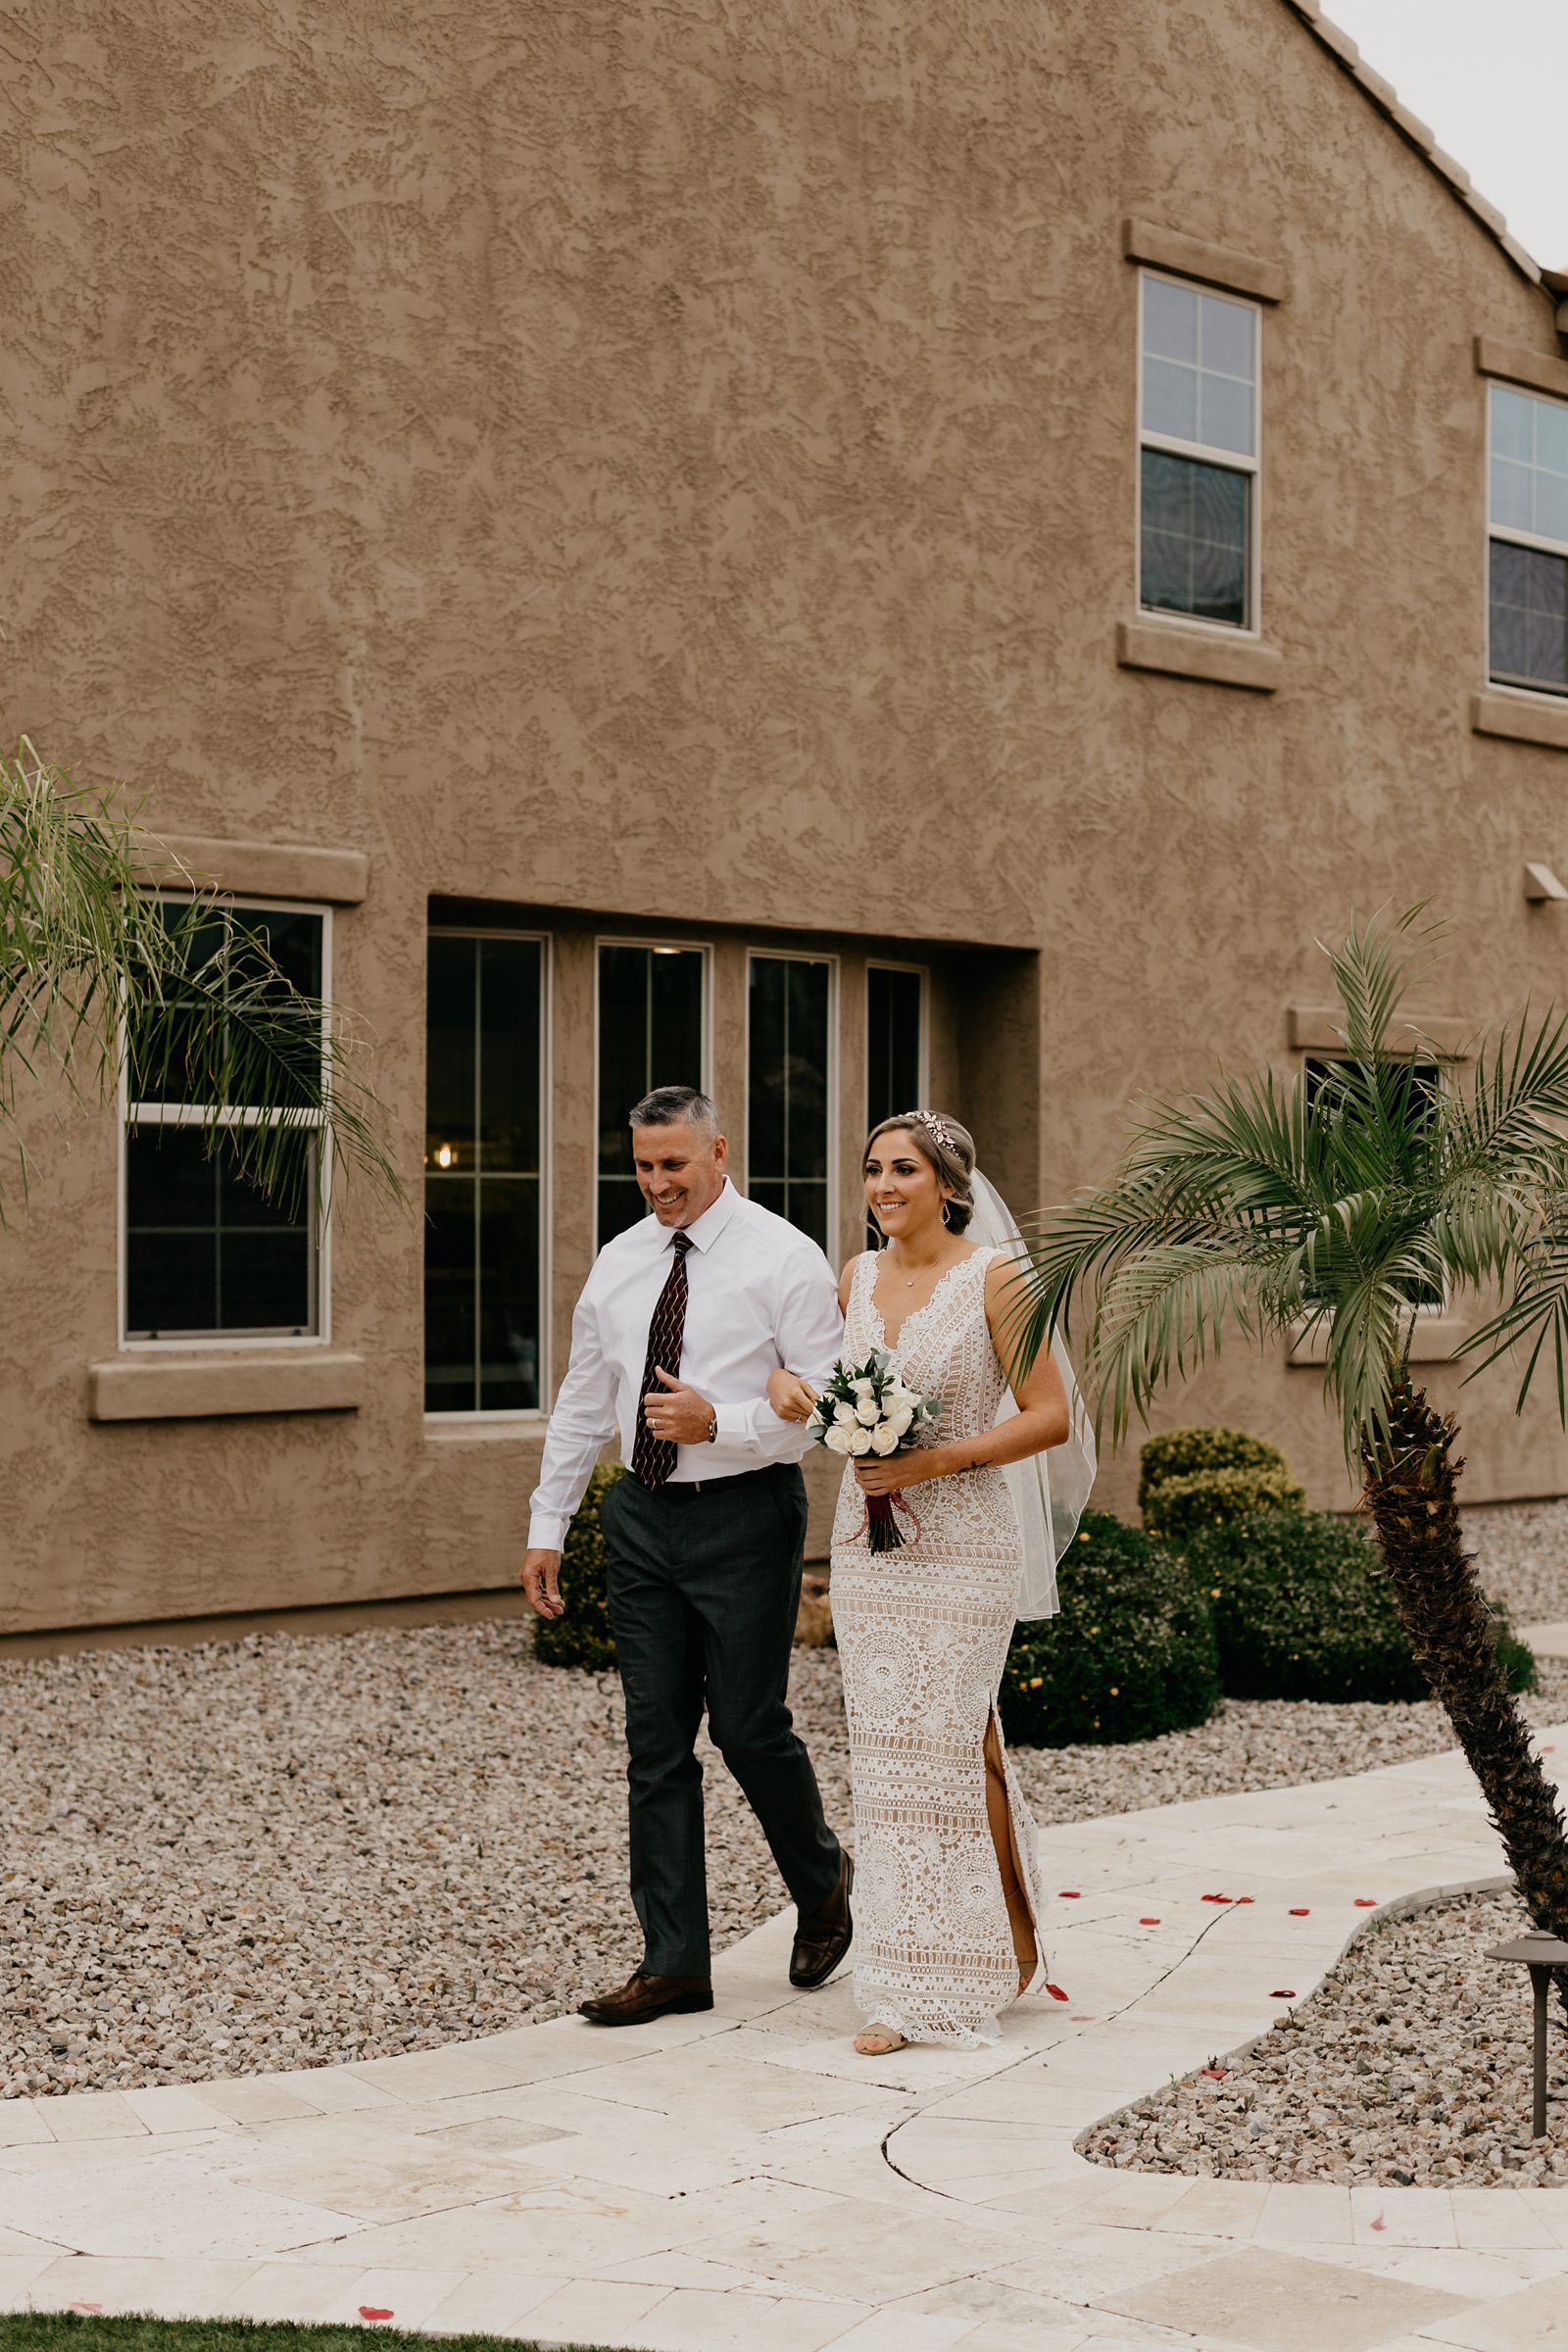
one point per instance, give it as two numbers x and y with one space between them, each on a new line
702 1341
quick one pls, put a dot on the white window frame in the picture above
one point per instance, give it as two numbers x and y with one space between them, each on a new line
168 1114
1557 700
1232 460
673 946
802 956
477 1417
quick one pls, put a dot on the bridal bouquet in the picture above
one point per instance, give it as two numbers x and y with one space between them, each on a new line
865 1408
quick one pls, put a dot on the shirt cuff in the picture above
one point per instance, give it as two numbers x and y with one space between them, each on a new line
735 1421
546 1532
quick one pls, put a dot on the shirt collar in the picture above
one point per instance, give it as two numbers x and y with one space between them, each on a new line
705 1231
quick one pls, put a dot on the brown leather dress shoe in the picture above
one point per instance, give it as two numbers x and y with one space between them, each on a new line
643 1997
823 1936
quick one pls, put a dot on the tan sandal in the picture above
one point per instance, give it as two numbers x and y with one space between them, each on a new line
879 2041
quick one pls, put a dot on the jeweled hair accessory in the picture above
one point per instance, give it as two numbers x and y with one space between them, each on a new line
938 1127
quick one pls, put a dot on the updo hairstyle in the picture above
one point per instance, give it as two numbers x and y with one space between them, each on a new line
949 1148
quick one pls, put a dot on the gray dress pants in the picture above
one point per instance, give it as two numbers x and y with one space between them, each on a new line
704 1584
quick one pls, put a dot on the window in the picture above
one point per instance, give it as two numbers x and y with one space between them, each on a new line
894 1056
650 1034
1198 455
1423 1082
1528 521
894 1039
788 1092
206 1255
483 1193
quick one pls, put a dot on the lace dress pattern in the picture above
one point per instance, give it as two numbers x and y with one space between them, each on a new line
923 1636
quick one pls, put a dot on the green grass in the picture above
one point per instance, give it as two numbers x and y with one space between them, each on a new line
74 2331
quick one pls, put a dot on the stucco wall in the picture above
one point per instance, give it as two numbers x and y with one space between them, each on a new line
678 462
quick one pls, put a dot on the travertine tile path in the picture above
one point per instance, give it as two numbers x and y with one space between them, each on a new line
742 2179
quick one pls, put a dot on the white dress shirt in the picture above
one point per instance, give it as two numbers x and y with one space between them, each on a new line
759 1294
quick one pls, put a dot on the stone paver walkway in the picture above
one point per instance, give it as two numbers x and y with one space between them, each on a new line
744 2181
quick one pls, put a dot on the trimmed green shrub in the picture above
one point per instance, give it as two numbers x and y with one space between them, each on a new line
1201 1452
1182 1507
1132 1653
1303 1610
583 1635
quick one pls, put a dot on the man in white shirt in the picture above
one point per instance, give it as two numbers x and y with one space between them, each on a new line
682 1321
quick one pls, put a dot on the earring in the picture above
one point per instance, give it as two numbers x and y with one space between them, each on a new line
945 1205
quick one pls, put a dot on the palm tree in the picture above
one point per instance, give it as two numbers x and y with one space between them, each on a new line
1337 1201
100 974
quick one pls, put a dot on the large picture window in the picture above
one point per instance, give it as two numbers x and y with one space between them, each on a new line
483 1161
650 1033
1197 453
1528 511
206 1255
789 1088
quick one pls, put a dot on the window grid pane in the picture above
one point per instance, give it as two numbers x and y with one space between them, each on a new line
650 1034
485 1184
1199 367
207 1254
1529 599
788 1058
1529 452
1194 538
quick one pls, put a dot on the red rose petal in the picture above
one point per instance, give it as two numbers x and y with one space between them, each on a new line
1301 1913
1149 1923
1215 2073
1379 2223
1246 1898
1282 1992
1067 1895
1057 1994
371 2311
1367 1903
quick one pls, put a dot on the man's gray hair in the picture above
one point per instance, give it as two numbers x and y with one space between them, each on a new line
673 1106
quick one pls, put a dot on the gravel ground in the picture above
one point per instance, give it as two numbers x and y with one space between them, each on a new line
289 1851
1521 1549
1411 2063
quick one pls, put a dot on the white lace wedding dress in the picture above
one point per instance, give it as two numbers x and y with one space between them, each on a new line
923 1636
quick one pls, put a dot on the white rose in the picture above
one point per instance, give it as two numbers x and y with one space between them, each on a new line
897 1423
843 1412
868 1412
860 1441
838 1439
885 1440
865 1386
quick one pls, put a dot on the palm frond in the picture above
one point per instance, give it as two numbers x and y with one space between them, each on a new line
97 972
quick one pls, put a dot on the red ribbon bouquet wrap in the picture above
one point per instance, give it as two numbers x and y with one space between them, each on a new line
865 1411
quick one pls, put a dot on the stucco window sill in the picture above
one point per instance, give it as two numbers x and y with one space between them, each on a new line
264 869
1522 718
1217 660
521 1429
1437 1339
209 1387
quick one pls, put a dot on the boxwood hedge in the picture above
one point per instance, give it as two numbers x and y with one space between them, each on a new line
1132 1653
1303 1609
583 1635
1201 1452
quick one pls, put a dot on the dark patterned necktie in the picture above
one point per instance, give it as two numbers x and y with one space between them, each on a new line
653 1459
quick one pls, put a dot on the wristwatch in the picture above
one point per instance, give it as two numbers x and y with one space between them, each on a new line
712 1426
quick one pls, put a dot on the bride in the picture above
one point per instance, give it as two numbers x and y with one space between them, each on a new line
948 1906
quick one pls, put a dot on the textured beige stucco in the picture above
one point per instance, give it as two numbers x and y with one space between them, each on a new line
675 464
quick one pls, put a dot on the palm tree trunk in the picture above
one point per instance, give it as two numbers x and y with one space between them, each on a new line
1412 1492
